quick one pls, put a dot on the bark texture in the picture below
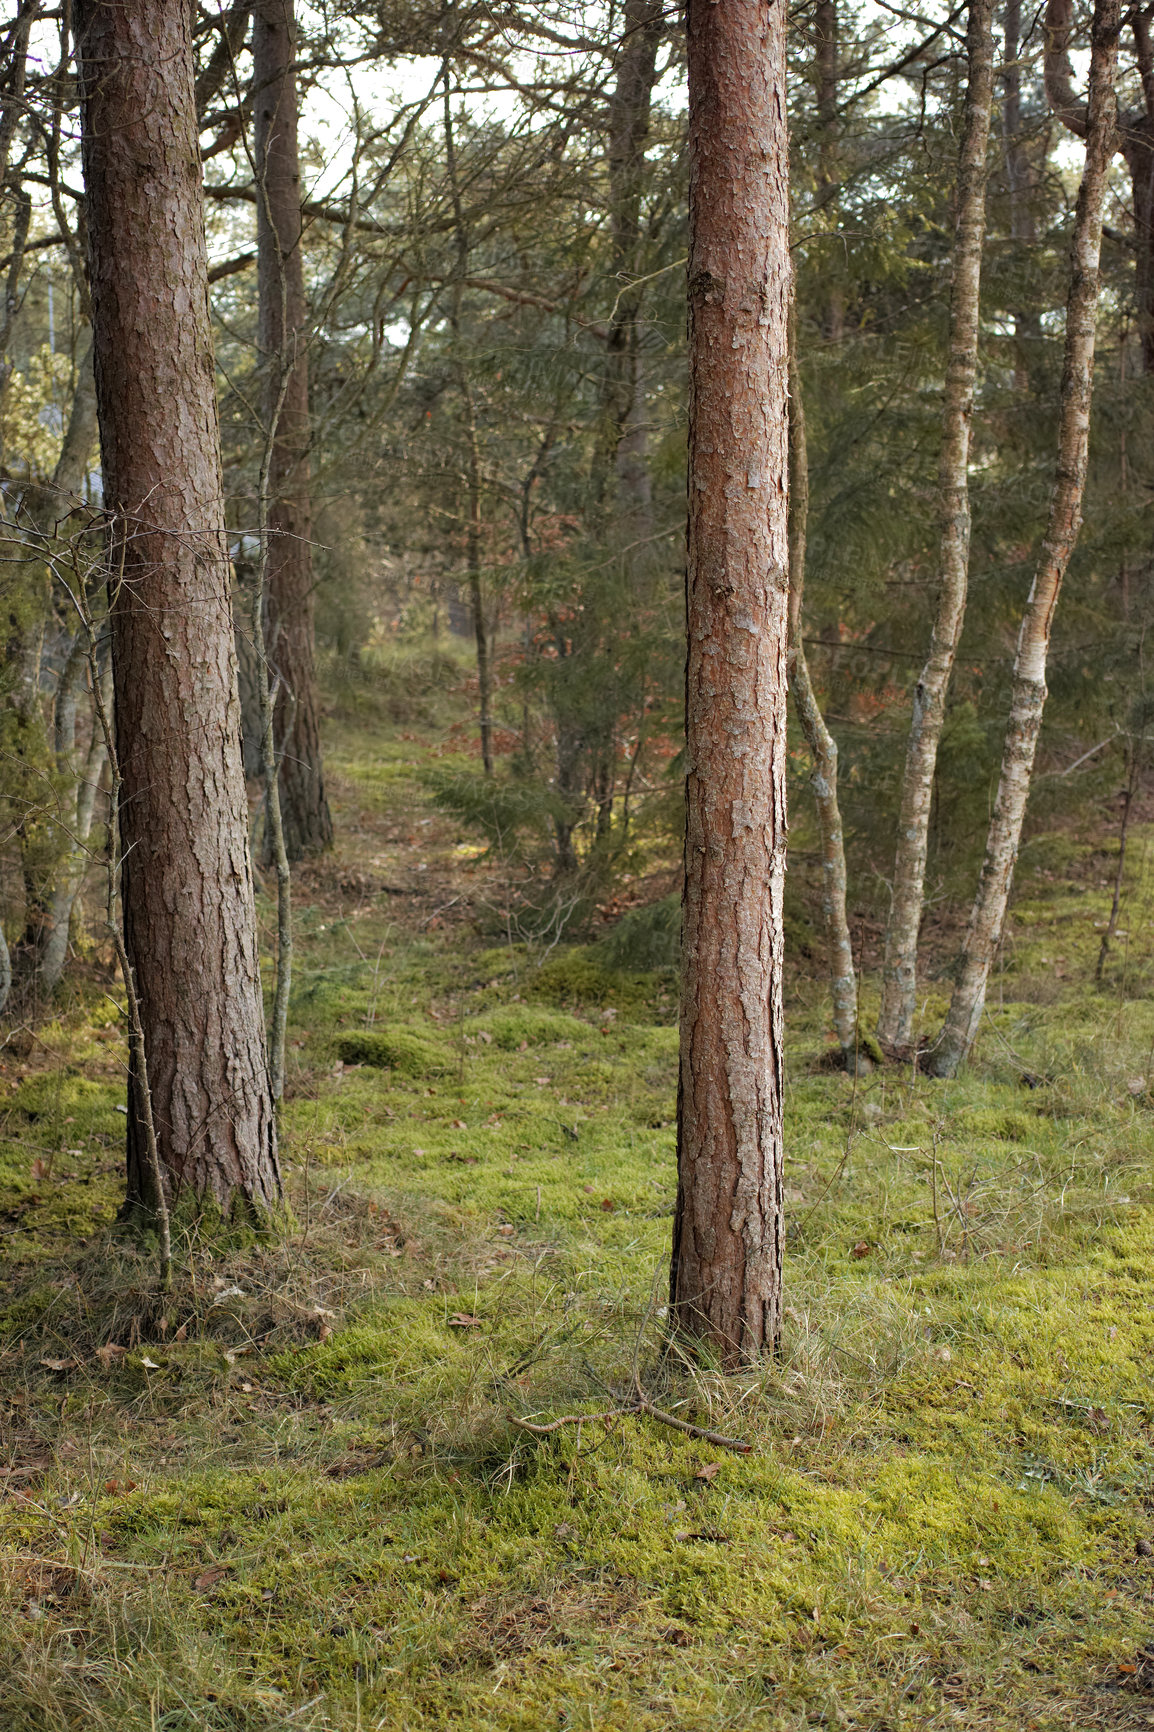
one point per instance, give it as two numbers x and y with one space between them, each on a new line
725 1287
283 337
1028 698
899 977
1134 139
821 743
189 921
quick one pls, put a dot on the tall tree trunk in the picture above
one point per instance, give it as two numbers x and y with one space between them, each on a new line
1029 688
899 979
1134 139
620 449
189 919
827 69
821 743
725 1275
1027 325
283 336
472 451
47 950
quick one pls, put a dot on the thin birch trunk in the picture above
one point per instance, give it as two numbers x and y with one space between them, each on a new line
821 743
1029 689
899 979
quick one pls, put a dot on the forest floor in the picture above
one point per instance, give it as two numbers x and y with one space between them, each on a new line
294 1493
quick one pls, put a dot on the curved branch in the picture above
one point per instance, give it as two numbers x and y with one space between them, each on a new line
1058 73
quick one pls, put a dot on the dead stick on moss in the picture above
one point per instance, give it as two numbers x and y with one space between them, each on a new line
642 1405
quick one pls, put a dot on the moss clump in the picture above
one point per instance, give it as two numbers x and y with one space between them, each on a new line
395 1049
524 1026
578 977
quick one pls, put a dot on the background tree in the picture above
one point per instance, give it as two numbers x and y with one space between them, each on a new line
284 343
1029 691
899 976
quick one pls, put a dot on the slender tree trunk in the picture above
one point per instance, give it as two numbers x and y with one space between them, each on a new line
1128 793
57 924
620 449
821 743
826 59
1029 688
476 588
1027 325
283 335
187 889
472 453
899 979
725 1276
47 955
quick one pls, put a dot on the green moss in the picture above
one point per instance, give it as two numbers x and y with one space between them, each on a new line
524 1025
398 1049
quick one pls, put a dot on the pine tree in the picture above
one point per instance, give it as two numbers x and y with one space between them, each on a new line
189 919
725 1277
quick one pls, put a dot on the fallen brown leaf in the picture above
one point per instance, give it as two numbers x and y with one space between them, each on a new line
709 1471
464 1320
59 1364
209 1578
109 1354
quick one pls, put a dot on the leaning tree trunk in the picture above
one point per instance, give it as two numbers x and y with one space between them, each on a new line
821 743
189 920
725 1277
283 339
899 978
1029 689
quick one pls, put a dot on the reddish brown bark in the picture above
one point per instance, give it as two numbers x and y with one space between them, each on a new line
283 337
725 1281
189 921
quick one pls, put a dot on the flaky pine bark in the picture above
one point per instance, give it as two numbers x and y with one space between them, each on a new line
1029 688
1134 139
187 889
899 977
283 339
725 1285
821 743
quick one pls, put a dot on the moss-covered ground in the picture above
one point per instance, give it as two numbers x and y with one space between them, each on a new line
292 1493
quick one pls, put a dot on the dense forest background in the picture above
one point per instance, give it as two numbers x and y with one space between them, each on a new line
495 335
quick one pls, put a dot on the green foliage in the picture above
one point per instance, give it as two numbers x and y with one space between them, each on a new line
648 937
